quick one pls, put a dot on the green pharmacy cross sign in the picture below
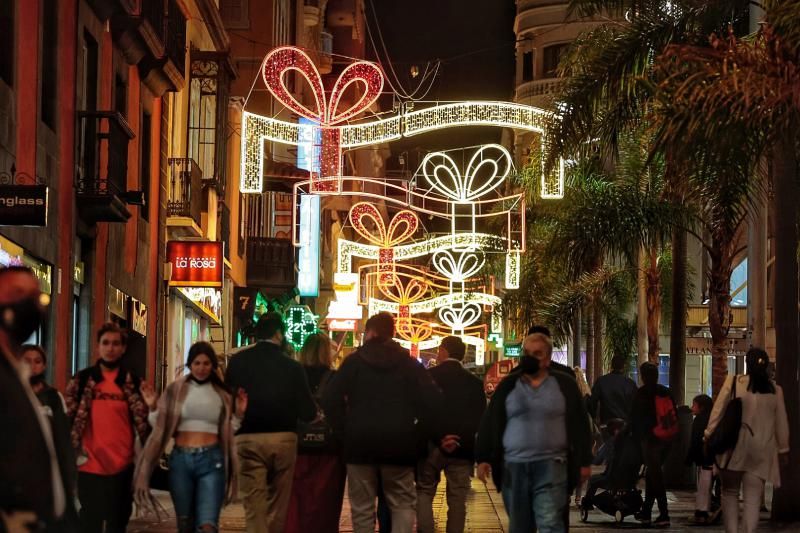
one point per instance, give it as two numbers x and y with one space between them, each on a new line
300 324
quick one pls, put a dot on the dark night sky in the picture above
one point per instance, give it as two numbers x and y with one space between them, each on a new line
475 41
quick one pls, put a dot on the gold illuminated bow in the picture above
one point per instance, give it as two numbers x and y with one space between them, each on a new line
402 226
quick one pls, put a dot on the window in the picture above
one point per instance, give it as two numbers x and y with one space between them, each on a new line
144 178
552 56
7 42
234 14
527 66
49 65
120 96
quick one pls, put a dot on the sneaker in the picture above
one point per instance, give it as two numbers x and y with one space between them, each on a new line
661 521
643 517
701 518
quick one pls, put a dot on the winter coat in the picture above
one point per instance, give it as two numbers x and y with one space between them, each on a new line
643 410
376 401
764 433
697 455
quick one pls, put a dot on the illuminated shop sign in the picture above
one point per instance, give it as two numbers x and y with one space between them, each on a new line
207 299
345 307
308 260
23 205
195 263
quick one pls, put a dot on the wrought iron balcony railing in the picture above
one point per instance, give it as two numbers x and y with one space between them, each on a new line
270 263
185 189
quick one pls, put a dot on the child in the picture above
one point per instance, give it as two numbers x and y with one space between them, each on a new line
605 455
701 409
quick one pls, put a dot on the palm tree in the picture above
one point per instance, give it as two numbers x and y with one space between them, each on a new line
752 87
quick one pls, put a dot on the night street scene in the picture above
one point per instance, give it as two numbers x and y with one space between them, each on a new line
434 266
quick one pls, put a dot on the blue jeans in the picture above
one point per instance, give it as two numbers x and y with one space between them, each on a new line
535 495
197 486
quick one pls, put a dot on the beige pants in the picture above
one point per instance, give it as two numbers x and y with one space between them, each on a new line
457 472
752 492
398 488
266 467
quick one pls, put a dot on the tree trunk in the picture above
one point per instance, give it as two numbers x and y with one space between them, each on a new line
641 307
590 371
677 334
719 309
787 322
576 339
598 340
653 306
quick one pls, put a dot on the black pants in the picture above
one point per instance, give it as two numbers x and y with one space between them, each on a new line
106 499
654 453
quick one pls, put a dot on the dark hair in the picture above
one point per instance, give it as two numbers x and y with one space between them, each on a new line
316 351
618 363
758 369
454 347
34 348
268 324
110 327
649 373
382 325
204 348
704 401
544 330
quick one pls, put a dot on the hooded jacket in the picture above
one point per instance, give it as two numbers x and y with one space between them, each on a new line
379 401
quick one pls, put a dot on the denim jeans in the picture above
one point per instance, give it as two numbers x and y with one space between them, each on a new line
197 486
535 495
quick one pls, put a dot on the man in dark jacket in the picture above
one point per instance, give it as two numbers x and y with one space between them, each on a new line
375 401
613 393
277 396
535 441
464 404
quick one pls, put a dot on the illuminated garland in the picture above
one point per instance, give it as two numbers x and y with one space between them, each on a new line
404 295
402 226
428 306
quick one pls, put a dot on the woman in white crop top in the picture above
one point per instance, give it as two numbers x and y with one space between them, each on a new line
197 412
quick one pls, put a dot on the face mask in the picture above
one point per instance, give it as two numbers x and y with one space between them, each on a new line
111 365
528 364
20 319
35 380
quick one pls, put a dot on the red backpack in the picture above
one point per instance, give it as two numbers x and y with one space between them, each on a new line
666 427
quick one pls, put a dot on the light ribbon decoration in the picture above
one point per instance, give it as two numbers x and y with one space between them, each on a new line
444 176
402 226
458 270
418 331
376 305
287 59
404 296
459 318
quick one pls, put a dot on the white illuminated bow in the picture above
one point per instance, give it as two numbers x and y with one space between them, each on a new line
461 269
444 176
459 318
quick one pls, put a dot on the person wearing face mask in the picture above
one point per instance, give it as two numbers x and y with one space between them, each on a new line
108 413
535 441
278 395
196 411
32 491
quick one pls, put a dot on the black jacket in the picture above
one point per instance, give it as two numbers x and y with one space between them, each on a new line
697 454
276 386
613 393
643 410
464 404
376 401
489 447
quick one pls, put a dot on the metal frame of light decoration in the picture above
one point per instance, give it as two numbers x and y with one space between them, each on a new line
335 135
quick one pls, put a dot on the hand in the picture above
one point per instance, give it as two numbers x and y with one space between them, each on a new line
484 471
450 443
18 522
241 403
149 395
586 473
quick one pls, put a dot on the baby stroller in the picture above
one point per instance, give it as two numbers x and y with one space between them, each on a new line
620 496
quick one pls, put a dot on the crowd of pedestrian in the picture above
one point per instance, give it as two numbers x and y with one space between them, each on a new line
284 435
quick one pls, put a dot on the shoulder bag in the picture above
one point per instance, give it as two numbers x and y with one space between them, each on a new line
726 434
317 434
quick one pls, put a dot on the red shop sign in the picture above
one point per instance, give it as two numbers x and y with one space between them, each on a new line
195 263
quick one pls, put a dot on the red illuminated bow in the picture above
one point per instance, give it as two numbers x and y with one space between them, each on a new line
282 61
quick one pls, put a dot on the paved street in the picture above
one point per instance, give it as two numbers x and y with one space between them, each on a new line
485 513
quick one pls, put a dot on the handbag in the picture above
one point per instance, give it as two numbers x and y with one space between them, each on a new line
317 434
726 434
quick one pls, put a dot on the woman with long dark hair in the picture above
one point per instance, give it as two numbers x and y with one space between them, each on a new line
319 473
197 412
764 436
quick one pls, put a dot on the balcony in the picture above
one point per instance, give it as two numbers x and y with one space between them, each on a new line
537 91
271 264
184 198
102 166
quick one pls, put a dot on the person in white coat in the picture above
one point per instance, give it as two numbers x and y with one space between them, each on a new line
763 437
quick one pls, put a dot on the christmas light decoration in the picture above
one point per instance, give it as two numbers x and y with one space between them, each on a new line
458 270
402 226
416 332
429 305
404 295
512 269
368 76
435 281
300 324
458 318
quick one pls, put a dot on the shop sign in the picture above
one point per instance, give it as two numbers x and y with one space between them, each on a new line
245 298
308 255
11 254
195 263
345 285
513 350
23 205
341 324
208 299
139 317
117 302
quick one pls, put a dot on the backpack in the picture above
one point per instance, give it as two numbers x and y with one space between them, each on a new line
666 427
317 434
